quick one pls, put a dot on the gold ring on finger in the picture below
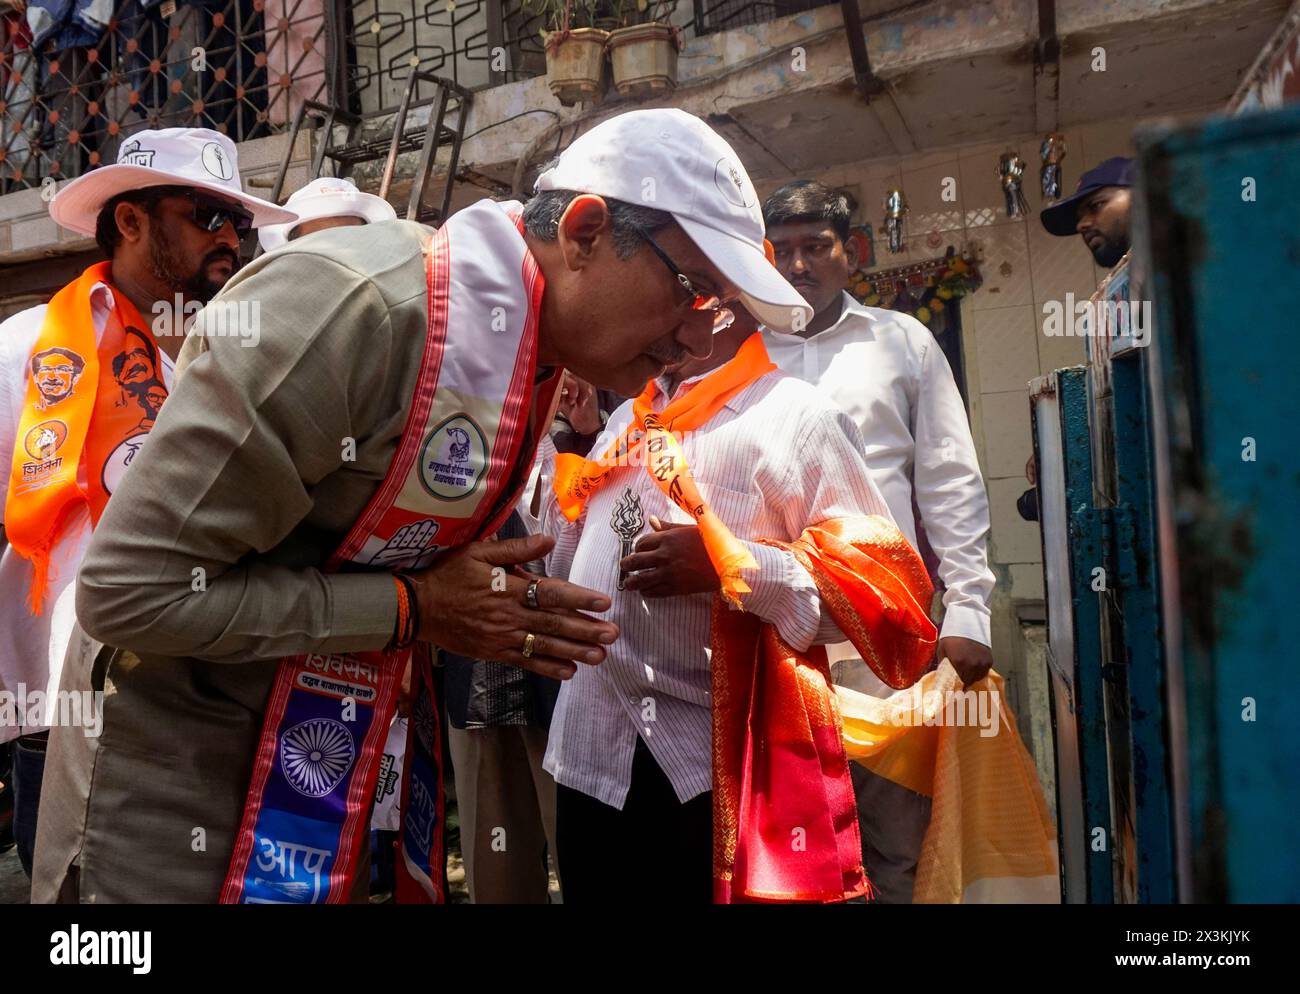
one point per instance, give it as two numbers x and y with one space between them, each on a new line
527 650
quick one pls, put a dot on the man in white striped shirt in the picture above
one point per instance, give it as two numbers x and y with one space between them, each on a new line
630 742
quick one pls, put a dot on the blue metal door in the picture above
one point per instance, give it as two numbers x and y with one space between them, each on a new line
1219 220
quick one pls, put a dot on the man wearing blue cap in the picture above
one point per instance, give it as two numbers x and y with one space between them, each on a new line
1098 211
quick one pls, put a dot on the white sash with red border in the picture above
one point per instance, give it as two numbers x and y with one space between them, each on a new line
327 716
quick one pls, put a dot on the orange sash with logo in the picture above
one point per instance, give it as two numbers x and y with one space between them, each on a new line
785 824
652 437
85 415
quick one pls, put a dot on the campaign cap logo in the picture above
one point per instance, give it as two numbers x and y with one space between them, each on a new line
454 458
44 440
131 154
217 161
731 183
316 755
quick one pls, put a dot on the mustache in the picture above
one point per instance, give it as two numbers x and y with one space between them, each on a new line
668 353
216 255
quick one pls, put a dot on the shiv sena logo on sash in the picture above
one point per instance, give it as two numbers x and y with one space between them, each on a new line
87 410
450 482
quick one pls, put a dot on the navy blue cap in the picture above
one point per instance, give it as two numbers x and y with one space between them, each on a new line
1059 219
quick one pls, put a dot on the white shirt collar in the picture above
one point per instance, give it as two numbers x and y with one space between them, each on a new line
102 294
850 308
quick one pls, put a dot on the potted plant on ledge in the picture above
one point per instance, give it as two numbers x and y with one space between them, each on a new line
575 50
644 50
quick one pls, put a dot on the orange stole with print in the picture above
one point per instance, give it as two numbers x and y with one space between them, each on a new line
87 411
576 478
785 824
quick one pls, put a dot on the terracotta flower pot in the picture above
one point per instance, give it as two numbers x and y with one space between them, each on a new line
575 63
644 57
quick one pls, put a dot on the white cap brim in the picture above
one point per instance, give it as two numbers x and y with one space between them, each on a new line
763 290
77 206
366 206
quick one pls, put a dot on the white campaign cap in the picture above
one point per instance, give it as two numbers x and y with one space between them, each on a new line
194 157
328 196
672 161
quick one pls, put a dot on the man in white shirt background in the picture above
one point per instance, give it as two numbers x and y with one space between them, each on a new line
887 372
168 216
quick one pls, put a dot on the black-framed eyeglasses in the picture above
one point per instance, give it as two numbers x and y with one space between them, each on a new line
722 315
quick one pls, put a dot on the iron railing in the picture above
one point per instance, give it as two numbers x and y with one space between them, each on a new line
724 15
238 66
243 67
474 43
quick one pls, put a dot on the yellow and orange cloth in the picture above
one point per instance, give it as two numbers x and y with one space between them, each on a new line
991 838
651 438
84 406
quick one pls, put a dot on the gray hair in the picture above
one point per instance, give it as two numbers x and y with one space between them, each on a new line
543 212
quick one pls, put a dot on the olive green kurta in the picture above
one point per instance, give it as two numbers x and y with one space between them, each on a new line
246 476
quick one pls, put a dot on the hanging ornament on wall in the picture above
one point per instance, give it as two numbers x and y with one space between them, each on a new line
1052 151
1012 170
895 208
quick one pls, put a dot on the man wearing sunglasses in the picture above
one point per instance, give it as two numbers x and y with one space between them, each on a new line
168 217
335 488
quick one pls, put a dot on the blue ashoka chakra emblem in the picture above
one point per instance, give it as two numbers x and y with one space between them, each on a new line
316 755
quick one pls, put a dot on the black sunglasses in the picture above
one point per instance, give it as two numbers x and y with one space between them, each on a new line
208 213
211 214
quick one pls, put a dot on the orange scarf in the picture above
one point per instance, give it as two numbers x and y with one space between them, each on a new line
652 436
83 418
784 818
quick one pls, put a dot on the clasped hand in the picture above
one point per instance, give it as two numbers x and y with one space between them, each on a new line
474 603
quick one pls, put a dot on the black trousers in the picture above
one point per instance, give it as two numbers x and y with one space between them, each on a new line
29 772
655 851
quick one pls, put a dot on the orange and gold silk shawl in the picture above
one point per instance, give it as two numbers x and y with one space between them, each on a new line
785 822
